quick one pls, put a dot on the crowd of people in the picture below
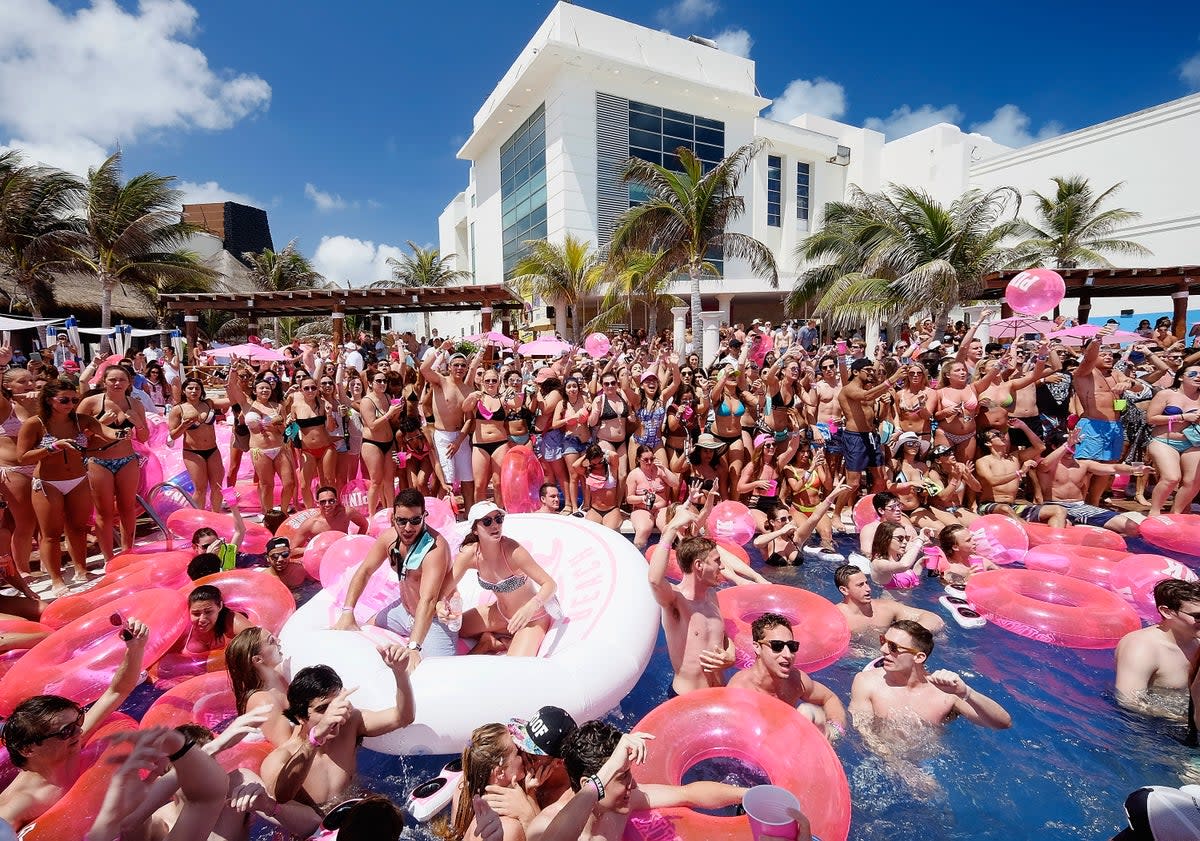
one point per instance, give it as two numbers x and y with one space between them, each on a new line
940 427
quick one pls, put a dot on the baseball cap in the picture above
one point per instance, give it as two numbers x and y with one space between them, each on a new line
278 543
859 364
1162 813
544 734
480 510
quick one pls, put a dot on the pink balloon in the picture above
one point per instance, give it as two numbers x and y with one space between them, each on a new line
597 345
1007 541
439 516
731 521
1035 291
864 512
379 522
345 554
315 552
1134 578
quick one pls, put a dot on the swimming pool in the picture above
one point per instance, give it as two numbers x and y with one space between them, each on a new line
1061 772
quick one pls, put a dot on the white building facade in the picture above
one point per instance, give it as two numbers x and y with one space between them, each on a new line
589 91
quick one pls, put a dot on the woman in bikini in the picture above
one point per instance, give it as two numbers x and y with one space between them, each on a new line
601 499
19 401
315 416
729 407
211 625
113 467
609 418
759 480
1174 449
196 419
348 431
254 659
573 414
650 402
380 417
908 479
483 412
507 570
649 489
271 458
520 406
785 387
549 424
53 441
805 483
955 405
913 401
896 558
681 426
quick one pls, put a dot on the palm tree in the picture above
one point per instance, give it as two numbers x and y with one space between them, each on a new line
282 271
685 217
1071 227
133 233
423 267
565 273
886 256
633 280
35 223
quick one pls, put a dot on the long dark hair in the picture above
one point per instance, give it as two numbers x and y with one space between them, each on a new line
209 593
51 390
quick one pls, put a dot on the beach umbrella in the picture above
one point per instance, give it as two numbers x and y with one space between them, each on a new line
1080 333
246 351
1019 325
545 346
493 336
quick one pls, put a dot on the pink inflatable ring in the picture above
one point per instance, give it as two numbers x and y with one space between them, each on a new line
1051 608
818 625
756 729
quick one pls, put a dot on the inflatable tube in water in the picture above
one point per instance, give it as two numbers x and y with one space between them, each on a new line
79 661
70 818
142 552
1087 563
1133 579
961 612
588 662
1040 534
751 727
864 512
1000 539
186 521
521 475
817 624
1051 608
430 797
1173 532
208 700
14 625
170 573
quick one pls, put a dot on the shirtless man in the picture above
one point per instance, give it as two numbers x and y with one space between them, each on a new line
318 764
1063 478
420 558
821 404
332 515
1000 474
774 673
695 630
1100 390
901 685
864 614
449 392
45 733
551 499
861 449
1159 657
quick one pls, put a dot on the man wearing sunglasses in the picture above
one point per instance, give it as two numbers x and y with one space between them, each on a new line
45 733
900 687
420 560
1158 657
774 673
331 515
449 392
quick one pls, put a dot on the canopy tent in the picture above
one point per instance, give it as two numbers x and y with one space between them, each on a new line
8 323
135 332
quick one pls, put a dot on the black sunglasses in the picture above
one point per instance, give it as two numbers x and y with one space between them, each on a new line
285 553
779 645
409 521
497 518
67 732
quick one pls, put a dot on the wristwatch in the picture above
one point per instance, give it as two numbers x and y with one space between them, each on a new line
414 646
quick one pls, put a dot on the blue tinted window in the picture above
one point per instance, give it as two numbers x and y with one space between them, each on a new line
803 186
523 187
774 189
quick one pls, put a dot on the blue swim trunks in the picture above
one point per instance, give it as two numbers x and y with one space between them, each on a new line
1100 440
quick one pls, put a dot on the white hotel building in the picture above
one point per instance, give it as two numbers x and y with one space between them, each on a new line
589 90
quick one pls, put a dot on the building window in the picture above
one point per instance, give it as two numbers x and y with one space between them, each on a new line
774 190
523 187
474 278
803 185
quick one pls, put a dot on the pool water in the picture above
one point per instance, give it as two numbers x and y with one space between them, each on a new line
1061 772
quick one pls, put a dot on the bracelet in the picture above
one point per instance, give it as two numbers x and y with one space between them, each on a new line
312 740
595 781
188 744
346 609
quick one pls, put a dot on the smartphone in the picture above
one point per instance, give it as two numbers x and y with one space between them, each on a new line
1137 357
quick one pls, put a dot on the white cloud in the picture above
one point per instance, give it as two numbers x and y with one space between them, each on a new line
73 84
1010 125
325 202
820 96
1189 71
685 12
346 260
735 40
211 191
905 119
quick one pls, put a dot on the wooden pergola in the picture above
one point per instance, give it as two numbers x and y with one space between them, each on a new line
337 303
1086 284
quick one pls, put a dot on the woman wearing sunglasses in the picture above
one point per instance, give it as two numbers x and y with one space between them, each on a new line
317 419
896 558
518 620
1174 449
484 415
380 417
264 418
54 441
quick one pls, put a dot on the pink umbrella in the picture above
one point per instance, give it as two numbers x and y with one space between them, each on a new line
545 346
246 351
1019 325
1081 333
493 336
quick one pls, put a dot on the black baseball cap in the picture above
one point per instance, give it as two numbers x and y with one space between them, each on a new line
1162 813
278 543
544 734
859 364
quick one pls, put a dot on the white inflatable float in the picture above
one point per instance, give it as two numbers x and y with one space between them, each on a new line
589 661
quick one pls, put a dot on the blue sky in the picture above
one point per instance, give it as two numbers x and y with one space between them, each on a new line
343 119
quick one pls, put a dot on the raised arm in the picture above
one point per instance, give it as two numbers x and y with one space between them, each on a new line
379 722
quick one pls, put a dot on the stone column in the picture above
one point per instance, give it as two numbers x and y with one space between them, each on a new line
339 327
725 302
712 336
679 316
191 329
1179 306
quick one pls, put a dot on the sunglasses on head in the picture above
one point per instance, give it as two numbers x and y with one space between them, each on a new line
778 646
409 521
895 648
486 522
